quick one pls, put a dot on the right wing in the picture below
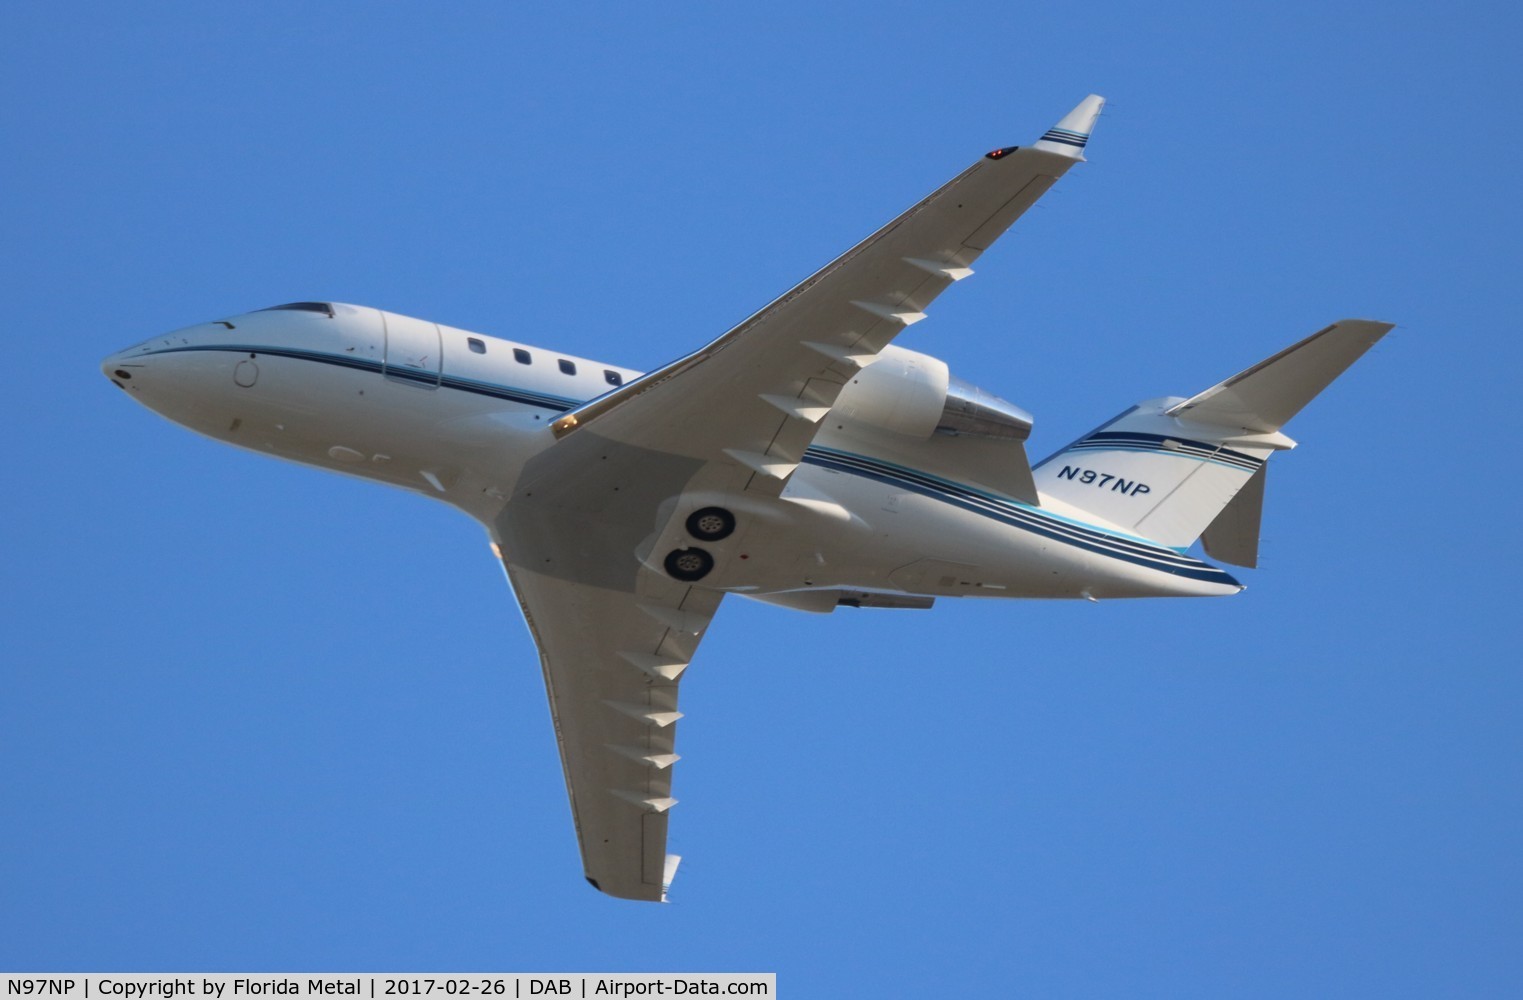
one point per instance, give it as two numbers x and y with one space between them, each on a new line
611 662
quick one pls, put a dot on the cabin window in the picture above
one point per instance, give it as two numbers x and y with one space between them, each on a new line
569 367
521 356
612 377
477 346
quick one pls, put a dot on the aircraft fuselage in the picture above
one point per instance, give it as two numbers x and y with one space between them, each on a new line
455 415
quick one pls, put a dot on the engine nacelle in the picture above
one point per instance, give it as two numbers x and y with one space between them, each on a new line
902 391
914 395
972 412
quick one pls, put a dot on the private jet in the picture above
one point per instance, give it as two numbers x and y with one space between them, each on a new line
801 459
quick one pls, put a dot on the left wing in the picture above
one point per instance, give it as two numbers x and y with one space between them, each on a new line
753 397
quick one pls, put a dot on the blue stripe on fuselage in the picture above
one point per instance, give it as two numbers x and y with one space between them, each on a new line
545 401
1126 548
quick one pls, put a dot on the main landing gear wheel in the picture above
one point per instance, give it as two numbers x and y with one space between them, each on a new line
710 524
689 565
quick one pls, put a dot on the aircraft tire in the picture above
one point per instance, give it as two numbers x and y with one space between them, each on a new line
710 524
688 565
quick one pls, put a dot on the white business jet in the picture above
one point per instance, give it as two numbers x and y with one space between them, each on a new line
800 459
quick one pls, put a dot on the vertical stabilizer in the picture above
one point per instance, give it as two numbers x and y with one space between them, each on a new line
1168 468
1234 536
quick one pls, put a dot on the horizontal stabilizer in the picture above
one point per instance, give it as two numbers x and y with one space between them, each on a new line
1172 470
1263 398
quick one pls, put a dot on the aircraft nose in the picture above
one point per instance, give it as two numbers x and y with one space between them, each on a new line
118 369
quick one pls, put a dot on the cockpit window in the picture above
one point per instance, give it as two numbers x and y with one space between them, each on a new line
477 346
326 308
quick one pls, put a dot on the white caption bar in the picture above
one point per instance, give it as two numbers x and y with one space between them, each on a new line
382 985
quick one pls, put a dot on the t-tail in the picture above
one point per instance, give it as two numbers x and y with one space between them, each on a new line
1174 470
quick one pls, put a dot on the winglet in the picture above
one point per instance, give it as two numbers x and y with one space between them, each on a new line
669 872
1069 135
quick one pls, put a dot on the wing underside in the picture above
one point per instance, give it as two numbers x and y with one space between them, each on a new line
615 633
611 663
754 397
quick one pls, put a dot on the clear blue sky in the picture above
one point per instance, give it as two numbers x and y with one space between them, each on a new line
253 716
